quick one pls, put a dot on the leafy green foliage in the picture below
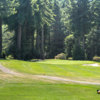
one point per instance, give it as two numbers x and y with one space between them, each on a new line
61 56
78 53
37 28
7 37
9 57
57 35
69 43
96 58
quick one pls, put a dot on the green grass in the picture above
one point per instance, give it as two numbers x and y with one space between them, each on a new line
62 68
48 91
14 88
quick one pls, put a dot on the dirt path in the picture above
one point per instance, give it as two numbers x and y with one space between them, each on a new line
67 80
8 71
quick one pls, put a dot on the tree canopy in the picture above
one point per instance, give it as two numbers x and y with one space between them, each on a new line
45 28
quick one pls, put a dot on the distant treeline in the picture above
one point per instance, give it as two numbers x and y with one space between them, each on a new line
44 28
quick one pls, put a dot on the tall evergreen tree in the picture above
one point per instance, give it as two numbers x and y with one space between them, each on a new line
80 21
57 33
6 9
22 24
43 17
93 38
2 14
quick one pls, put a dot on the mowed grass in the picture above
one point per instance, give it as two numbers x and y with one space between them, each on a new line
62 68
15 88
48 91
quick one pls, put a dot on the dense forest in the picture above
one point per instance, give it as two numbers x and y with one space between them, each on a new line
42 29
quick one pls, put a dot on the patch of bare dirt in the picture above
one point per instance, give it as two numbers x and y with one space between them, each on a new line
94 65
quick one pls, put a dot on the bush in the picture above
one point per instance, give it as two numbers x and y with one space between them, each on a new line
35 60
96 58
70 58
60 56
9 57
69 43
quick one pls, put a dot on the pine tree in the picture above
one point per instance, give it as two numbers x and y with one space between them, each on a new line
80 21
22 25
43 16
93 38
57 33
6 9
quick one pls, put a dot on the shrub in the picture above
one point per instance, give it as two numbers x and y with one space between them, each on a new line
9 57
69 42
35 60
70 58
60 56
96 58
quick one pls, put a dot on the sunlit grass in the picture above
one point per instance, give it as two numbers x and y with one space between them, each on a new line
62 68
47 91
16 88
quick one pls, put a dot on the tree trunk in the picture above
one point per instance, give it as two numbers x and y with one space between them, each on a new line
0 36
49 45
37 41
43 56
83 43
32 42
19 36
